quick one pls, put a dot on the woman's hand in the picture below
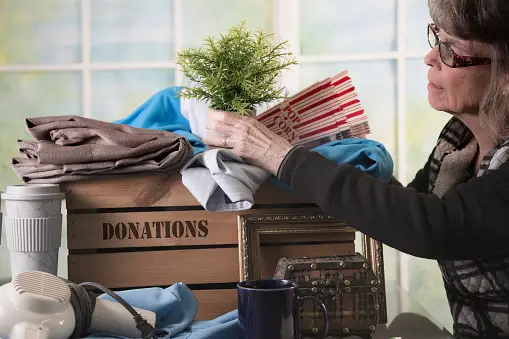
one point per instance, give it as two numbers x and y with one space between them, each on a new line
248 138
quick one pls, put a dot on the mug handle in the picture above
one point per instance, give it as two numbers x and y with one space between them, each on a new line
324 311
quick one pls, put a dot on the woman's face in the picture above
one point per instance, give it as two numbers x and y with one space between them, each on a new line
457 90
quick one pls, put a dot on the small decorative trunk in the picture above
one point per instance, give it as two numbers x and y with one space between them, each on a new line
346 285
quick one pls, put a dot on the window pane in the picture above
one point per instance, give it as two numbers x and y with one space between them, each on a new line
375 84
203 18
40 32
115 94
417 19
5 266
24 95
131 30
427 288
341 27
378 96
423 123
423 126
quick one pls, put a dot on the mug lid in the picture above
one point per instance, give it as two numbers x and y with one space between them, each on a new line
33 192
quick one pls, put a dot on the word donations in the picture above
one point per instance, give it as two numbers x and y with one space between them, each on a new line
155 229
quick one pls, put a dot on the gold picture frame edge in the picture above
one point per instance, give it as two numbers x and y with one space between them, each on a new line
249 243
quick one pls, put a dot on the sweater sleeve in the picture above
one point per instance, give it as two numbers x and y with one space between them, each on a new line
467 222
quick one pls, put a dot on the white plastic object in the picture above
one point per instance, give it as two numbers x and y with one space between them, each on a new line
111 317
36 305
33 226
33 192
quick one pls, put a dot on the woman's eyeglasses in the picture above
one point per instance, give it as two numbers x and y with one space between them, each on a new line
448 56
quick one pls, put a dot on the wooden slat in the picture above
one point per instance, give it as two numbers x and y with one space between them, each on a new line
156 268
151 190
163 268
269 255
214 303
111 230
144 229
307 237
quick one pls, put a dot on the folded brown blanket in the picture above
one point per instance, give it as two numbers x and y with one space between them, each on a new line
73 148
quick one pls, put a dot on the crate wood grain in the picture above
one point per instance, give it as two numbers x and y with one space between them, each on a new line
167 228
155 190
148 230
156 268
213 303
191 266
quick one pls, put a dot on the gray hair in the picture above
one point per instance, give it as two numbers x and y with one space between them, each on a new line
485 21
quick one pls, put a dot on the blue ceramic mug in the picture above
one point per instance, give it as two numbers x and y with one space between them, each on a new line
269 309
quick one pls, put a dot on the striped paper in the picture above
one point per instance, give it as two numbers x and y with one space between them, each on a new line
327 110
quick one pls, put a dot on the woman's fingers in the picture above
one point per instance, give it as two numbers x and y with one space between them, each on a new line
220 135
221 127
218 139
248 138
224 117
244 134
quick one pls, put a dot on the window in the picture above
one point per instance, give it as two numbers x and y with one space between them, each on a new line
102 58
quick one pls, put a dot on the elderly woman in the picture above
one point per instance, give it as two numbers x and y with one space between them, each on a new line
456 209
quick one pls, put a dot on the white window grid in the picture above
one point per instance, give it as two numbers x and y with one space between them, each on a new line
286 25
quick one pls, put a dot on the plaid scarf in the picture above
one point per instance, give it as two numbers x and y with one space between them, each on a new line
477 290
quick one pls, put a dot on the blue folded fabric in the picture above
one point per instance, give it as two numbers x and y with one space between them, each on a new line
369 156
162 112
175 308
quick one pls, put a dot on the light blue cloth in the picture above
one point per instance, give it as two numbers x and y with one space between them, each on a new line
367 155
221 181
175 308
162 112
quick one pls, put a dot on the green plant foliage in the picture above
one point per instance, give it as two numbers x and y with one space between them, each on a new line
237 71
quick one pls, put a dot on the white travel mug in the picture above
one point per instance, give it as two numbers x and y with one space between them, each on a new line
33 227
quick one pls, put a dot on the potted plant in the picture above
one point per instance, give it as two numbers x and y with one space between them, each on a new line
237 71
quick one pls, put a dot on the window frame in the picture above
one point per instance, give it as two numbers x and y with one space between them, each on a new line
286 25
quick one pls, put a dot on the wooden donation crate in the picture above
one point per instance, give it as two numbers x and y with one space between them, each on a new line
139 231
